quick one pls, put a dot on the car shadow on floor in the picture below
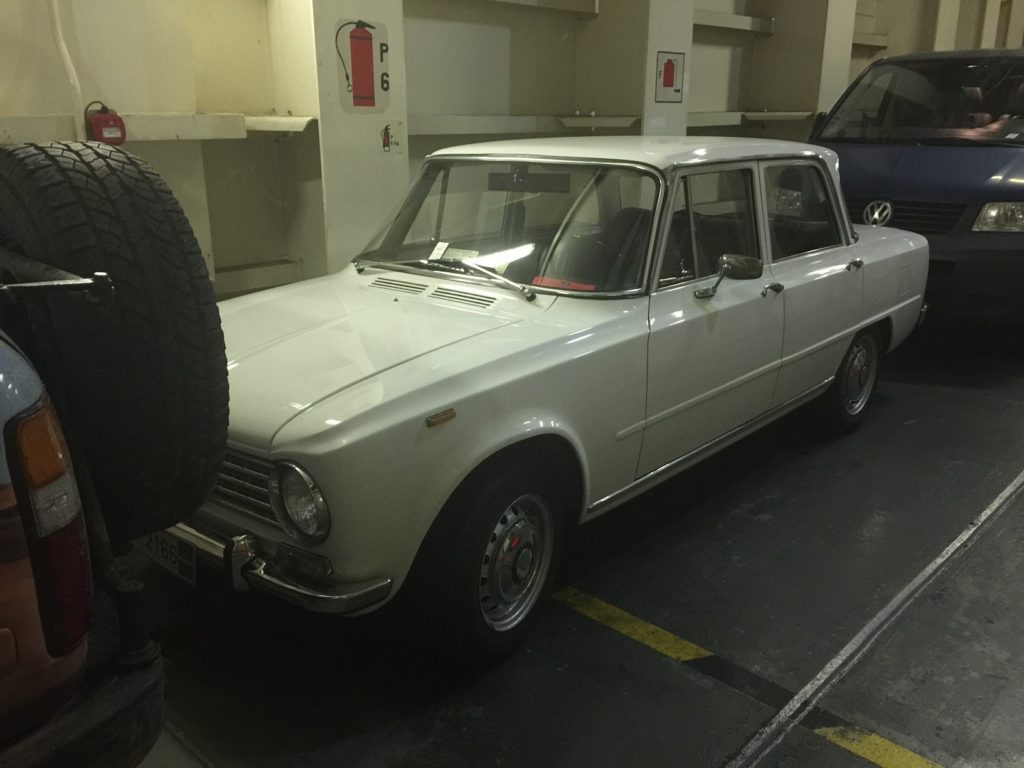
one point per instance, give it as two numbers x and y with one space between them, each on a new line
951 351
290 681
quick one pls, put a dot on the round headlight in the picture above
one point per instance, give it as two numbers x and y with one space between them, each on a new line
298 504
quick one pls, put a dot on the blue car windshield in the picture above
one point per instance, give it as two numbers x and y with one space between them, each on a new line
956 100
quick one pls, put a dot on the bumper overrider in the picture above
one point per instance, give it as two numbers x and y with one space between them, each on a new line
240 557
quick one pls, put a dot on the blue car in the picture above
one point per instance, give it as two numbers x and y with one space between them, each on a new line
934 143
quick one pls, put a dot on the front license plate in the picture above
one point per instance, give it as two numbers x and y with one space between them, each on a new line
177 556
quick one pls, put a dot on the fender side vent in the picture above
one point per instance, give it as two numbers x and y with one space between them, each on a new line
461 297
403 286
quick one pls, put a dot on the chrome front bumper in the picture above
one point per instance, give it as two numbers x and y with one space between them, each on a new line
240 558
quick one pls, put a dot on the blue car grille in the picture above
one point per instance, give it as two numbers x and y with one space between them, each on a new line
243 485
922 217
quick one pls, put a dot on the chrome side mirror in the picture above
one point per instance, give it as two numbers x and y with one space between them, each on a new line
735 267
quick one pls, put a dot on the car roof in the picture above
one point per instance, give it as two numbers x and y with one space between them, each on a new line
658 151
976 53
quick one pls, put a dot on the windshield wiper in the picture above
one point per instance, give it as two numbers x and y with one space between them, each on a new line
525 290
456 265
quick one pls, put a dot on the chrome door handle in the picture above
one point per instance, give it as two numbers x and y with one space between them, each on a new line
858 263
774 287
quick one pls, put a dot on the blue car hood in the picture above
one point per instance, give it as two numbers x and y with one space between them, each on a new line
947 174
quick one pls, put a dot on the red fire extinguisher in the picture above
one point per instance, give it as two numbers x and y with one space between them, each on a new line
668 74
361 83
104 124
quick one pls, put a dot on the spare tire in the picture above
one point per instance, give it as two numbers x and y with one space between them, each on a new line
144 377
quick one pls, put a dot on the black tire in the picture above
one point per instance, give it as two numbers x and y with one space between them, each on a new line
145 377
846 401
464 599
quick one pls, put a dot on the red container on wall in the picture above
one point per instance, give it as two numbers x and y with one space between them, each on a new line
360 43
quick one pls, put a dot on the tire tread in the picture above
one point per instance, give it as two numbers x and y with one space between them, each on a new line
149 385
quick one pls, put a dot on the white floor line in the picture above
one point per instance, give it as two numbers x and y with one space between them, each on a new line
188 745
769 736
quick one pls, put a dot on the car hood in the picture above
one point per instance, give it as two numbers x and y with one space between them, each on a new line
954 174
290 348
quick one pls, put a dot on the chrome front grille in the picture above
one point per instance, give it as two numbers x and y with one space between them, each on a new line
917 216
243 485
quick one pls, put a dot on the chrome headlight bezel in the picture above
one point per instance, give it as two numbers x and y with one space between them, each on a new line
281 474
1000 217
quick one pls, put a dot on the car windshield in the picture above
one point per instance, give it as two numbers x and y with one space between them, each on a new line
940 101
579 228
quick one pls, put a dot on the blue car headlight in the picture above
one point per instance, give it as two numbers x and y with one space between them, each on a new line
1000 217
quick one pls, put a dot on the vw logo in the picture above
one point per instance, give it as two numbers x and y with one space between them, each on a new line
878 213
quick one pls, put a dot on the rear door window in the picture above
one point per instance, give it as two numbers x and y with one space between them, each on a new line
801 217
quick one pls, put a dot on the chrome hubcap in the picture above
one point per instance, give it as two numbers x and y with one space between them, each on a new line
859 377
515 562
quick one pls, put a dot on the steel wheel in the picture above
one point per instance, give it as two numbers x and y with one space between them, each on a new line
516 561
487 562
858 374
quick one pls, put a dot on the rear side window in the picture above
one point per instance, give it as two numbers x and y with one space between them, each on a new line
800 214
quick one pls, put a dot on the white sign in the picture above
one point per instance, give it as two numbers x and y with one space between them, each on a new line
669 84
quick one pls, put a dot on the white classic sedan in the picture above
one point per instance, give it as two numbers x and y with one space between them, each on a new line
545 329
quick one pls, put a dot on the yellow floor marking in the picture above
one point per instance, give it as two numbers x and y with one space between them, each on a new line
660 640
875 749
870 746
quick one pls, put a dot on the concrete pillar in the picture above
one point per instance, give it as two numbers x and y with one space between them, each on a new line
669 30
947 17
363 119
990 24
1015 26
835 59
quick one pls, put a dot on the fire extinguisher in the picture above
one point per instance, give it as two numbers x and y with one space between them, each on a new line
385 138
360 46
668 74
104 124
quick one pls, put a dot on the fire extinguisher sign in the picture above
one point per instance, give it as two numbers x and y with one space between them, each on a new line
669 84
363 65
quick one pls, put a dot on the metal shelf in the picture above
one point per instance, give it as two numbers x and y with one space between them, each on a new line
870 40
455 125
154 126
583 8
489 125
15 129
758 25
707 119
718 119
141 126
183 126
597 121
281 123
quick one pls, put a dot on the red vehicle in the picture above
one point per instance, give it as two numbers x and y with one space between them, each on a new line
113 403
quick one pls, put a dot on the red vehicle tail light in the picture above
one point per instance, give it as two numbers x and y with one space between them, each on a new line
57 538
